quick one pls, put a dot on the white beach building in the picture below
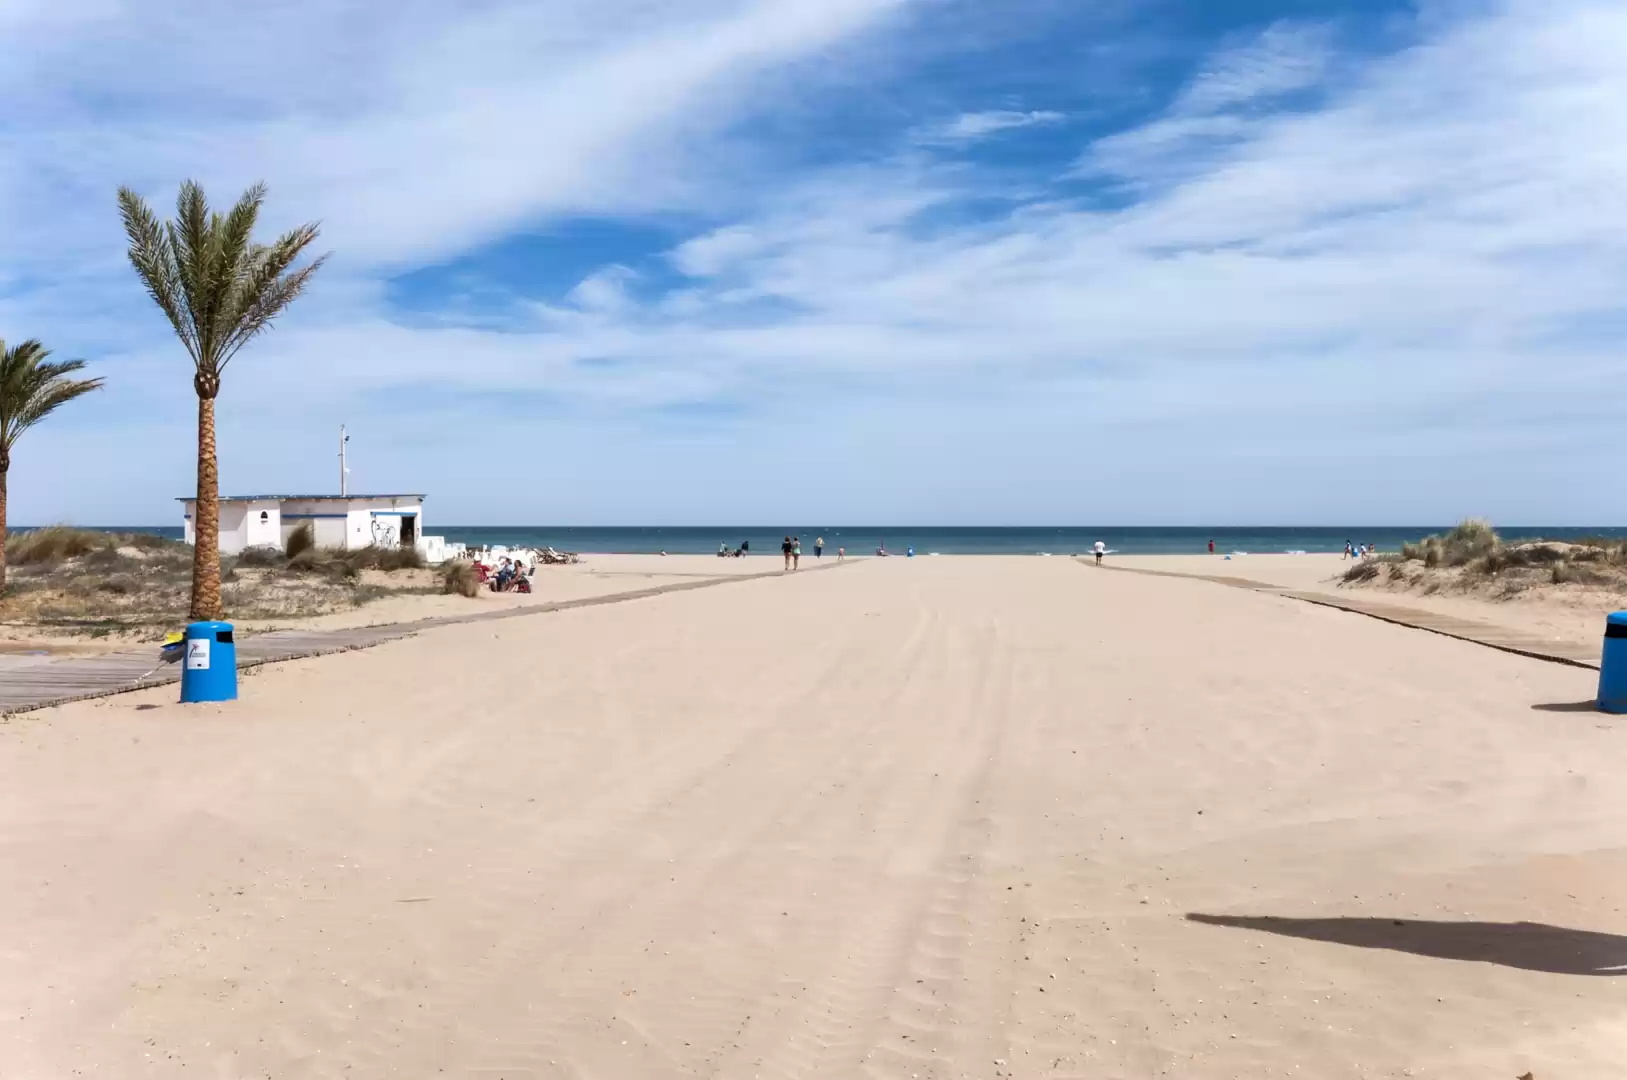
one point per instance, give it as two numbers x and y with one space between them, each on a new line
338 521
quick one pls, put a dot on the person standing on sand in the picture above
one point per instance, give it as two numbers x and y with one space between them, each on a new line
1211 547
796 552
1101 549
819 547
841 554
1350 552
785 549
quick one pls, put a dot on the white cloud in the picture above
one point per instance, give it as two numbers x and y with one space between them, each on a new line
968 127
411 140
605 290
1284 58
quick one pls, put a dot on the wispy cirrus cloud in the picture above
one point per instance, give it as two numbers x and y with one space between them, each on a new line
1236 89
968 127
1283 58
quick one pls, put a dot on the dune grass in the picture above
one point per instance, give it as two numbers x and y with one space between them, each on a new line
458 578
86 581
1473 552
55 543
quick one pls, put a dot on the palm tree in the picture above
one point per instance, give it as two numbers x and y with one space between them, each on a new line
31 388
219 289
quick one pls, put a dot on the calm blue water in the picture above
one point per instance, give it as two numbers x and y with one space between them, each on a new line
865 539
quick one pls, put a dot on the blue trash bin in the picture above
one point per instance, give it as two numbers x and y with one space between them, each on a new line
209 663
1613 667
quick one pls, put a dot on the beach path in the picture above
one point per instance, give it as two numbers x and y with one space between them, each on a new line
922 818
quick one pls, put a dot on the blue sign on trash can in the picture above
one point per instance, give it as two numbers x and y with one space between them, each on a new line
209 663
1613 667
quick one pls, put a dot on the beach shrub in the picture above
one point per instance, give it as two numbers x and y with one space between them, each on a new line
401 558
1472 538
53 544
1560 573
118 585
264 556
1412 551
1434 551
316 561
458 578
1537 554
387 559
1366 570
301 540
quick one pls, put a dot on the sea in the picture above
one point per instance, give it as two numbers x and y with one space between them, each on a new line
962 540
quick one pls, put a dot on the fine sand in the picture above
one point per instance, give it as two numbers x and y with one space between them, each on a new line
915 818
1571 614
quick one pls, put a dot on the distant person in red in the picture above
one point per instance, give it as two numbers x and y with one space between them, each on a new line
1211 547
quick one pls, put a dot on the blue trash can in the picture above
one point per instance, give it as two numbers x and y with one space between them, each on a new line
1613 668
209 663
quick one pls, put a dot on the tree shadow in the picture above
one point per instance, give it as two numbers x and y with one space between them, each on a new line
1569 706
1525 945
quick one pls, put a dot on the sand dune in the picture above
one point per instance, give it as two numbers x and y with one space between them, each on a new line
913 818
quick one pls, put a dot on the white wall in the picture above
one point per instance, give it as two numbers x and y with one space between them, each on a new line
339 523
263 524
233 527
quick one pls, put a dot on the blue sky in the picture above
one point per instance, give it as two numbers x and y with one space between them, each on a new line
916 261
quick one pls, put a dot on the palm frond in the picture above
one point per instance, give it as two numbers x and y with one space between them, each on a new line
217 286
271 287
153 258
31 388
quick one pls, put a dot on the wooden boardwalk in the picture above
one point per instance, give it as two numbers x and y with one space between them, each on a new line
1574 653
36 682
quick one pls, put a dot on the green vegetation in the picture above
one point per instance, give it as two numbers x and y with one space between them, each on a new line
301 540
55 543
31 388
85 581
1474 553
458 578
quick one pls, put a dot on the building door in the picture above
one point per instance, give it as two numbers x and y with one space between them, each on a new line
409 530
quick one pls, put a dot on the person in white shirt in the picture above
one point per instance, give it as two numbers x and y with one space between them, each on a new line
1101 549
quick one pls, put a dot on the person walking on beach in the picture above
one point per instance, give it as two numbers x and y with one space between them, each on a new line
1350 551
1211 547
819 547
785 549
841 554
796 552
1101 549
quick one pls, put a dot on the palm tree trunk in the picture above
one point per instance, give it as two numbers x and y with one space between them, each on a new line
206 523
5 473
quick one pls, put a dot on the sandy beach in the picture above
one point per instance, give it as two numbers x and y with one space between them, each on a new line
940 817
1569 615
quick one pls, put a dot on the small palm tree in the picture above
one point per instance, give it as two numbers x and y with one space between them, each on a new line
219 289
31 388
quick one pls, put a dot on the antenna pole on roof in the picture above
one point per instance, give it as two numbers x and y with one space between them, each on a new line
344 473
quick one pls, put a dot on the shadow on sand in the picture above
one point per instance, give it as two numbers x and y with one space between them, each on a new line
1569 706
1530 946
